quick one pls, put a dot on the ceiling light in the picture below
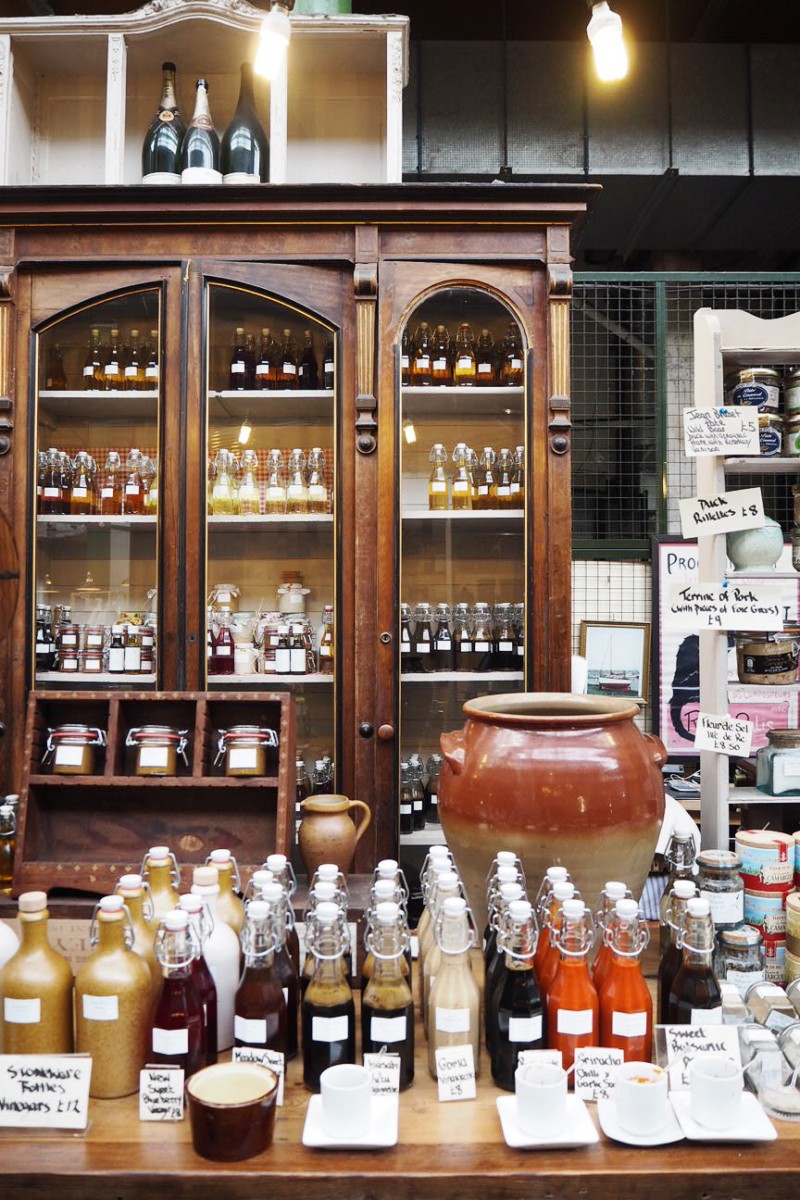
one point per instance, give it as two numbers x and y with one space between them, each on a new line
605 34
244 432
276 32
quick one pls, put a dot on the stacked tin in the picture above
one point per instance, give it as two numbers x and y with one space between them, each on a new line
768 873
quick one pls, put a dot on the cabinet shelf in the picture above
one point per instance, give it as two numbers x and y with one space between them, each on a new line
751 795
105 677
436 401
434 677
149 781
61 521
431 835
271 521
495 517
766 465
122 408
266 680
279 408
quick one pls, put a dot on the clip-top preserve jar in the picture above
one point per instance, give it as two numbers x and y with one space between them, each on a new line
778 763
72 749
157 748
244 748
720 883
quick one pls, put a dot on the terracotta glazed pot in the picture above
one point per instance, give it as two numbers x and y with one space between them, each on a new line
327 833
558 778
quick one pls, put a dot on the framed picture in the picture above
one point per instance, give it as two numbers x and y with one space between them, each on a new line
617 658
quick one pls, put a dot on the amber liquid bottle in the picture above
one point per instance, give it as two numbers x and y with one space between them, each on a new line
260 1013
695 995
387 1007
35 988
328 1012
178 1031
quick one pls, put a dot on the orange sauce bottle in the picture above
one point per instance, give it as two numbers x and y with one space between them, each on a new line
546 961
611 893
626 1009
572 1005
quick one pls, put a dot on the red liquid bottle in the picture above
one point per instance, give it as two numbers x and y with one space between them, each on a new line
177 1034
277 900
204 980
626 1010
611 893
260 1012
572 1007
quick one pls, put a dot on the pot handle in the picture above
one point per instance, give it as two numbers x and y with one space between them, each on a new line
659 750
453 749
361 828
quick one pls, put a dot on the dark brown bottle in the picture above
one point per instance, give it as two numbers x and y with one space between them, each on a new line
275 896
260 1012
695 989
672 956
387 1007
328 1011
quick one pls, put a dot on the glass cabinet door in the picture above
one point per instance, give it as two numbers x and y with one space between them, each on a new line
463 443
272 482
96 472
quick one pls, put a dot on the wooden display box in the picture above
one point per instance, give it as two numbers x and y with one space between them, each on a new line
84 831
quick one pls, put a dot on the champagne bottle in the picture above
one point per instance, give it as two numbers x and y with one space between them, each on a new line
245 149
200 151
161 150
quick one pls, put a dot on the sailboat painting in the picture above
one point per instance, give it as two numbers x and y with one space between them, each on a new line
617 658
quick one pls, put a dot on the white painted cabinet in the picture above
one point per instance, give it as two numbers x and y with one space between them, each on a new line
78 93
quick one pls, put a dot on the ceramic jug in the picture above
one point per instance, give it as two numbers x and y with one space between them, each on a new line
327 832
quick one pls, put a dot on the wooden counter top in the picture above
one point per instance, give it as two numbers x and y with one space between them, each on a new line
444 1151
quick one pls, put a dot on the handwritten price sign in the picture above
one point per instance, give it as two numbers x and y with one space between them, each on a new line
44 1091
731 605
720 431
723 734
594 1071
723 513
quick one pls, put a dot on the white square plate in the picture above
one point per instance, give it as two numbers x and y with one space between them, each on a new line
578 1128
753 1125
382 1129
607 1114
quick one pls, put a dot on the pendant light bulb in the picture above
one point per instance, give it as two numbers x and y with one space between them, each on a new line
409 432
244 432
605 34
276 32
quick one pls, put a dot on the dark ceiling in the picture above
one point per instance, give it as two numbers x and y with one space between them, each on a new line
537 20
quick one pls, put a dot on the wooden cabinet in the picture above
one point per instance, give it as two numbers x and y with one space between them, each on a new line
357 268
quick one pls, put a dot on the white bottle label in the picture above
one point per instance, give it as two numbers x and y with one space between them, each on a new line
237 368
575 1020
629 1024
423 648
452 1020
297 660
329 1029
316 491
68 756
525 1029
388 1029
423 361
726 907
283 662
505 646
88 372
405 809
100 1008
289 368
417 806
483 489
132 659
440 364
112 369
460 487
482 646
22 1012
80 493
51 491
170 1041
131 372
466 647
246 756
132 489
437 487
69 639
153 756
151 372
223 651
516 364
465 363
706 1016
106 491
484 368
250 1030
116 658
503 489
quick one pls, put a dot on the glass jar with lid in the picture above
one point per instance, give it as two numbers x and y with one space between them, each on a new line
244 748
157 748
758 387
720 883
72 749
739 957
770 658
94 637
778 763
769 1006
68 636
92 661
68 661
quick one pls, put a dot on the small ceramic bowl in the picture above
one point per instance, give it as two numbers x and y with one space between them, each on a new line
232 1110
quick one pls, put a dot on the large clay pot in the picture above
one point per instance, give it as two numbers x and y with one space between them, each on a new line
327 833
558 778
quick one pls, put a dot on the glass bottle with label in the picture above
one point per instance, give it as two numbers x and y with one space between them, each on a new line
465 363
93 379
275 493
308 371
35 987
421 363
317 487
149 474
739 957
223 645
230 906
266 375
415 770
437 482
200 148
441 358
113 369
132 491
177 1031
296 488
455 999
511 366
447 884
111 486
626 1010
328 1011
504 649
83 490
517 1013
200 919
504 472
680 862
384 890
547 954
719 881
237 368
405 638
387 1007
572 1006
53 500
65 469
244 149
432 770
224 495
494 956
518 478
485 370
45 647
275 896
442 644
249 500
482 637
613 891
260 1012
486 480
221 951
406 799
287 362
695 998
160 873
463 644
422 638
461 487
327 642
406 350
437 861
116 650
131 888
132 659
151 370
134 376
671 957
162 142
113 1004
328 365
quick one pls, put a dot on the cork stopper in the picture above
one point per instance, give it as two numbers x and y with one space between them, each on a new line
32 902
206 876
